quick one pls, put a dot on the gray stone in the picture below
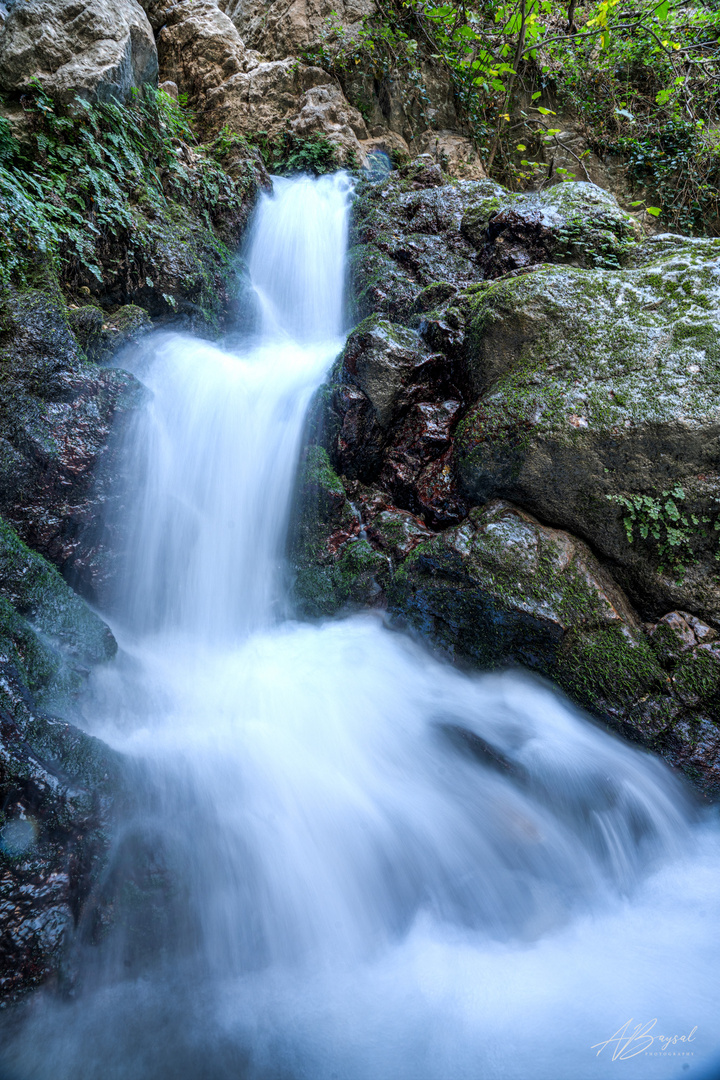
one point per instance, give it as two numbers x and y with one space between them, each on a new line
96 50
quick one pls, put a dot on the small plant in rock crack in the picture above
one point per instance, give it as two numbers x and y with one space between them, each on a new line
661 519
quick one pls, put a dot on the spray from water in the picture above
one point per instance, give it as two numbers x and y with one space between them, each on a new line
372 866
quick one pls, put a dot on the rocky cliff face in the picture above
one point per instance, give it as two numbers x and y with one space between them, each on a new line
515 453
95 50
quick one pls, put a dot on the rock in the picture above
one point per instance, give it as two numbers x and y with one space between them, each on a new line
388 417
333 568
284 95
198 46
672 636
56 783
415 229
574 223
279 30
100 335
598 411
502 588
170 88
97 51
455 153
55 423
324 111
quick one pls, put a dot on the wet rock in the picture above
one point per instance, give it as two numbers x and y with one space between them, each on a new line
56 783
101 335
597 411
415 229
333 567
575 223
502 588
672 636
56 418
389 419
97 51
396 532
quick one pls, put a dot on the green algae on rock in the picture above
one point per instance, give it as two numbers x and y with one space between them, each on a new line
598 386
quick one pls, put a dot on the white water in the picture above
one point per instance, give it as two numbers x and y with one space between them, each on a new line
358 891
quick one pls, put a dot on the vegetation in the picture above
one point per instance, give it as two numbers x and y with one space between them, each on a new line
641 80
664 520
73 179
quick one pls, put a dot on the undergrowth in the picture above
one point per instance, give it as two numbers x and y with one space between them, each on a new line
73 178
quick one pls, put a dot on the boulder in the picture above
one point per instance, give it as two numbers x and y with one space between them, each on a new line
97 50
387 417
283 95
455 153
416 229
56 783
598 411
198 46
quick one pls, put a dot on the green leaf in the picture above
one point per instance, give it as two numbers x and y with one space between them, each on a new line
545 112
654 210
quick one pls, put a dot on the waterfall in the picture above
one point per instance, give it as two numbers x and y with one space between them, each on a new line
370 865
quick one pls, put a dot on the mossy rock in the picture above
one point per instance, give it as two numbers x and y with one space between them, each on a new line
501 588
53 635
598 387
332 569
459 233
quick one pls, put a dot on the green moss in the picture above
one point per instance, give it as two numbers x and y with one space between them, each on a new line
697 676
612 667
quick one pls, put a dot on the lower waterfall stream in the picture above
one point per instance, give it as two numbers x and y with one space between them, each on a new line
354 893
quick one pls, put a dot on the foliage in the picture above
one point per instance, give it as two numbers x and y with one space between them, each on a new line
287 154
642 81
74 177
662 520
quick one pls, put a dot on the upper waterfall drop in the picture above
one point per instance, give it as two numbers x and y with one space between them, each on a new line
297 257
213 457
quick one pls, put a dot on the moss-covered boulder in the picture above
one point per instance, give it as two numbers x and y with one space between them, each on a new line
412 230
599 411
332 566
503 589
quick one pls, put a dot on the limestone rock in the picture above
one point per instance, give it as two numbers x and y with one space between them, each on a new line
96 50
284 95
280 29
598 410
198 46
455 153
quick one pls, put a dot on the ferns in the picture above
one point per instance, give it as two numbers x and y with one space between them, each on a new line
77 176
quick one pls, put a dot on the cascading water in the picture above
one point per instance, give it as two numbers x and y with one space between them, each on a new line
375 866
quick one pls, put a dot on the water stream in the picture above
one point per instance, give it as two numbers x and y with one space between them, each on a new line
348 885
